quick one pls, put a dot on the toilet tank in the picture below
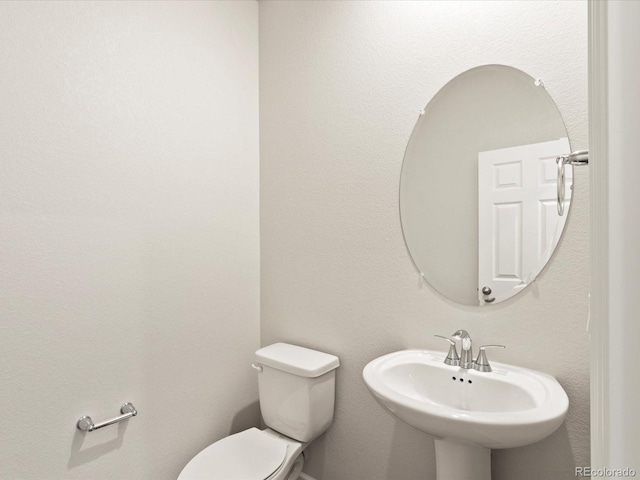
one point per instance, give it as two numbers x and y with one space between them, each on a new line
297 390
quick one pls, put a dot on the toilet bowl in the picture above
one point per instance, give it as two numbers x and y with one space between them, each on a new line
249 455
297 392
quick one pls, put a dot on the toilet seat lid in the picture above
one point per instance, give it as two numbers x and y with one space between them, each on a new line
248 455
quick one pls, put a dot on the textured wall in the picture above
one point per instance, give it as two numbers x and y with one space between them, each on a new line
128 232
340 86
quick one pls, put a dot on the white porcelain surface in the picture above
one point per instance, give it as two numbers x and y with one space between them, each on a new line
297 397
246 455
297 360
509 407
249 455
297 390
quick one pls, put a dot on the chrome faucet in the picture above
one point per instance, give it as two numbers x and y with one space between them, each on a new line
466 352
465 360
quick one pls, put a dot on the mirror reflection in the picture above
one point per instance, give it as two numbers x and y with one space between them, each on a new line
478 185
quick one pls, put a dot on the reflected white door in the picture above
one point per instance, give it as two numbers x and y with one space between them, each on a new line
518 224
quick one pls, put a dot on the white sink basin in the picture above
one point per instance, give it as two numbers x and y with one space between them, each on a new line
508 407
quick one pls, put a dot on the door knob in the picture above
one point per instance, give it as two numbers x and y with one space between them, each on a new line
487 291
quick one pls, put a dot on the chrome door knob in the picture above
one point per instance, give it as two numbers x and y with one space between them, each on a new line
486 290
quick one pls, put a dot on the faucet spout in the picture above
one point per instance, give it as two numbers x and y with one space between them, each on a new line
466 357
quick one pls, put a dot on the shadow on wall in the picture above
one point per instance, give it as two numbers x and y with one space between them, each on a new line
558 464
80 456
412 454
313 454
101 442
248 417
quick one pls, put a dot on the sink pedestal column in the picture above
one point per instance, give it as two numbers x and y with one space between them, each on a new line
457 461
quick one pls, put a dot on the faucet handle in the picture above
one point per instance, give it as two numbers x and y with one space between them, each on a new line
452 357
482 364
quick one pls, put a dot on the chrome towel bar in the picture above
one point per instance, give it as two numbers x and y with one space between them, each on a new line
86 424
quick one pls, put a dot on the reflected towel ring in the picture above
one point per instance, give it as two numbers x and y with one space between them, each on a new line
560 197
577 158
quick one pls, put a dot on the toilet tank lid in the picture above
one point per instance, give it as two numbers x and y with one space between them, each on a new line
296 360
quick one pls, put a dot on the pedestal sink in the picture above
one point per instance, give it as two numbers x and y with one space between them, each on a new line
468 412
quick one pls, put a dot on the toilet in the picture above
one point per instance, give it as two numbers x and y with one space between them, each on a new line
297 394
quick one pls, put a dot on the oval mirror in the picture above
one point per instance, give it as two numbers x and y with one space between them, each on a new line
478 185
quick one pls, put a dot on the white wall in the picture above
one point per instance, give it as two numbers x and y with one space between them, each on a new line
340 86
128 232
624 233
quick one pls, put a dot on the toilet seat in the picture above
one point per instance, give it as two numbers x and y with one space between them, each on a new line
248 455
